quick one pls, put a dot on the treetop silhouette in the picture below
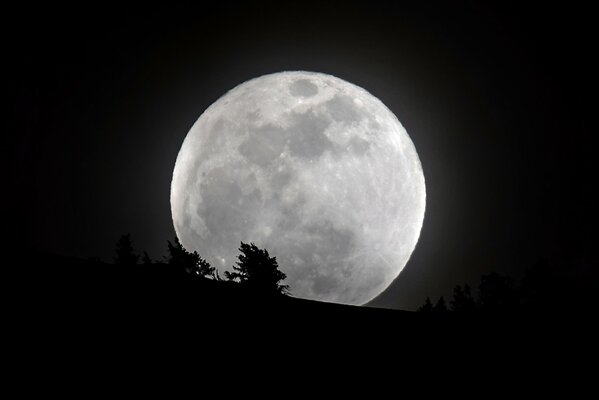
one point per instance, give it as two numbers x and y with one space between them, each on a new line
145 259
427 306
257 270
462 299
440 305
125 254
496 293
191 263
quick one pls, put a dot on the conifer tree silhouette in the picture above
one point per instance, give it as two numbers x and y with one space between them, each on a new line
440 306
427 306
462 299
145 259
191 263
496 293
125 255
257 270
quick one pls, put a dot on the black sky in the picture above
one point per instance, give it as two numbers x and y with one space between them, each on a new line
496 99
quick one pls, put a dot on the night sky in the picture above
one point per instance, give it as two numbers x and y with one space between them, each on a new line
496 99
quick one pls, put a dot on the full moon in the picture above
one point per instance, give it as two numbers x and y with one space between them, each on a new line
313 168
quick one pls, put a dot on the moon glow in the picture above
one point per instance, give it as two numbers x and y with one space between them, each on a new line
314 169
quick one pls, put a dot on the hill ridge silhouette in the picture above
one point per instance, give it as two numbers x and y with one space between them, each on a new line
64 304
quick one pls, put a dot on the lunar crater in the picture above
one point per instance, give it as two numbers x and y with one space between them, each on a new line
342 108
303 88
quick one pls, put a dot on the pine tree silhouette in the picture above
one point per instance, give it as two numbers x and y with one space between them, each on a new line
496 293
125 255
145 259
191 263
440 306
462 299
258 271
427 306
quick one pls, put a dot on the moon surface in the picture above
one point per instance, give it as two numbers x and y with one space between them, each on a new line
312 168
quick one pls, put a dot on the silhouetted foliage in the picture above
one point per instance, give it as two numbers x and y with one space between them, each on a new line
125 255
427 306
496 293
462 299
440 305
203 268
545 287
191 263
145 259
258 271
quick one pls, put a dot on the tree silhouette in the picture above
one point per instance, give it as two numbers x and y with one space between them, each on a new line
496 293
258 271
440 306
427 306
462 299
191 263
145 259
125 255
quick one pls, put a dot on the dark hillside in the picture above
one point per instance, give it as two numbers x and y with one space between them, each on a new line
76 303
